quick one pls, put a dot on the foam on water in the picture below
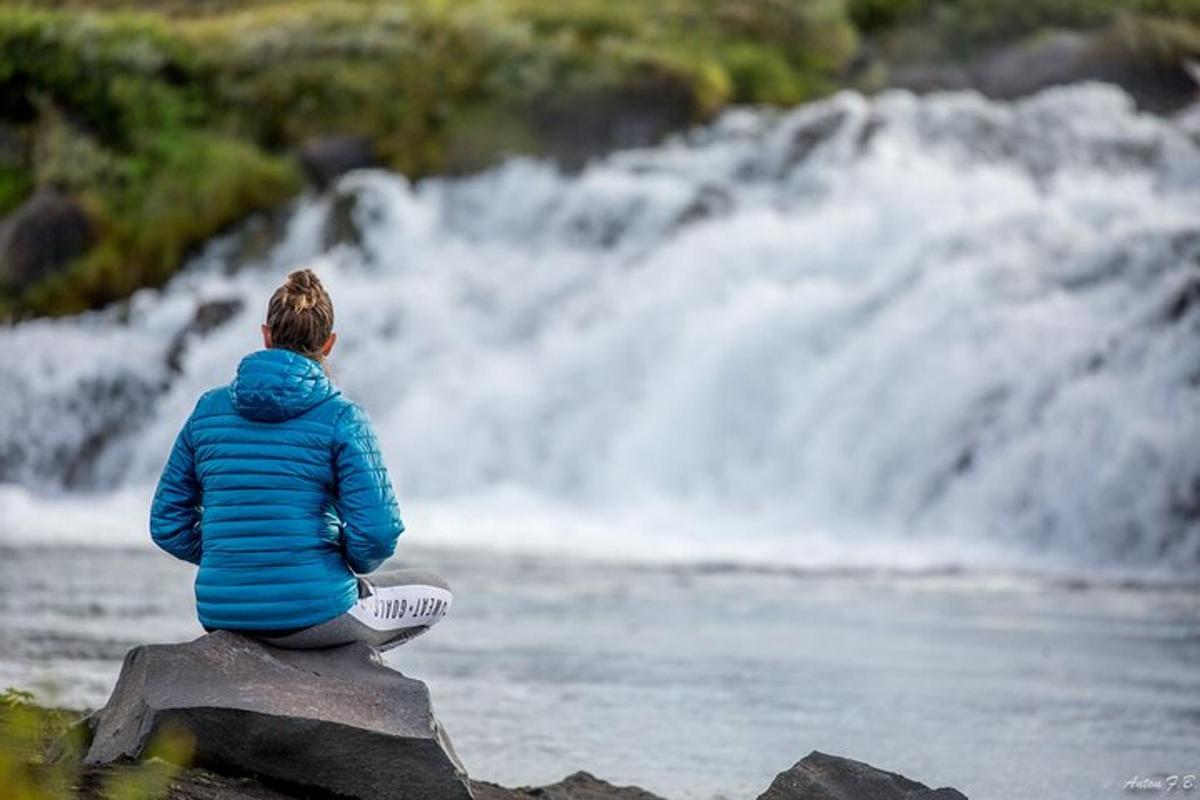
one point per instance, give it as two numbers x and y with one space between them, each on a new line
892 330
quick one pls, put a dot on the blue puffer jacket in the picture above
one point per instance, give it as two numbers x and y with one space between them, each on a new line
277 489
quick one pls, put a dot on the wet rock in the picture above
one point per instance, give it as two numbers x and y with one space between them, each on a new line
254 241
574 127
325 158
208 316
1182 301
810 130
1063 57
342 225
824 777
334 721
924 77
710 201
1055 58
44 233
1024 68
579 786
213 314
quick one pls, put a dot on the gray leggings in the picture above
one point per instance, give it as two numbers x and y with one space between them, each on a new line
392 608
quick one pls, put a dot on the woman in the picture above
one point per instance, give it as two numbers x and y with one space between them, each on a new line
276 487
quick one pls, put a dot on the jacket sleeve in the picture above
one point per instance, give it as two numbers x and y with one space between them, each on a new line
365 500
175 512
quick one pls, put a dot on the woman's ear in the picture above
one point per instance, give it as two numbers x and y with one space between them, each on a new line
329 343
266 332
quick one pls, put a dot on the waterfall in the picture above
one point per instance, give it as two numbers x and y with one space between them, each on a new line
891 329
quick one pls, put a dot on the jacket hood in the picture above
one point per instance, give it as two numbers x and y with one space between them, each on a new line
275 385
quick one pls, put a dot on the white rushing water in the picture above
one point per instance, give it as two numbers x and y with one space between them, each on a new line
900 331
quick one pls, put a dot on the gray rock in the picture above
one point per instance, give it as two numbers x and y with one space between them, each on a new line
42 234
208 316
824 777
574 127
1055 58
325 158
1048 60
579 786
1118 54
342 226
334 721
923 77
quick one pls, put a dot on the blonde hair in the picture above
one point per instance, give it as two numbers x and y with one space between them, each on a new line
300 315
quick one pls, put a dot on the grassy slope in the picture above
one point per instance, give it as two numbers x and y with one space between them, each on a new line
171 119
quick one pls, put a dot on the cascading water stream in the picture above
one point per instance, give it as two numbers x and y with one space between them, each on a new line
901 330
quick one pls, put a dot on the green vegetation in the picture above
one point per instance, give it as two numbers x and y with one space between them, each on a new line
169 120
41 757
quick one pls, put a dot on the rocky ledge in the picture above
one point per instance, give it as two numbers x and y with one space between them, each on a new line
266 724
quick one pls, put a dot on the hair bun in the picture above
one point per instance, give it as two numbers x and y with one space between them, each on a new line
304 279
304 289
300 314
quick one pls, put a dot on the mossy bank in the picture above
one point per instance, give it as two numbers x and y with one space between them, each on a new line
142 128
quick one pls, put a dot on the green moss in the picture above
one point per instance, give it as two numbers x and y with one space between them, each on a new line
875 16
761 74
114 73
41 756
15 185
1156 42
180 189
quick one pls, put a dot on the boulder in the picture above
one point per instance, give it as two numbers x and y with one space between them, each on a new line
1056 58
42 234
1121 54
335 721
1051 59
578 786
325 158
824 777
573 127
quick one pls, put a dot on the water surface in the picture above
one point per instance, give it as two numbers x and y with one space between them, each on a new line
703 681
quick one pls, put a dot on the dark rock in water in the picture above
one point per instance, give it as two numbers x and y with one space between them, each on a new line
342 225
1055 58
574 127
334 721
824 777
810 131
922 77
710 201
212 314
208 316
1049 60
579 786
1064 57
44 233
327 157
270 724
